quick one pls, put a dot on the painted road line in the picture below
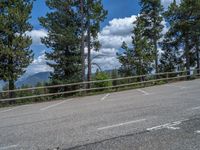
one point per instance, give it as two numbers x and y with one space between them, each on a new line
121 124
14 108
158 127
171 126
143 92
195 108
177 86
9 147
198 131
103 98
54 105
7 110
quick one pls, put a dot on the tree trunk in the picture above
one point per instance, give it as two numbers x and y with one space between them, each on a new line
89 48
156 57
187 56
11 82
197 55
11 86
82 44
140 69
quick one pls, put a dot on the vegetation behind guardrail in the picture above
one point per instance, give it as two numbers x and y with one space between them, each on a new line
46 93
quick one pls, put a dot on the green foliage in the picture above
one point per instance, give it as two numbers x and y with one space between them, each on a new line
63 37
137 60
94 14
170 59
143 51
64 28
102 76
184 27
151 15
15 53
126 58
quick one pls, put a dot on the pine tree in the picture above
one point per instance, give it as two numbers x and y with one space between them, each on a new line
126 58
195 34
137 60
15 53
82 47
182 20
170 58
142 50
63 26
94 14
151 14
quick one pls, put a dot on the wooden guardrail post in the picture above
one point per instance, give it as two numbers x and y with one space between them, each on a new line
167 77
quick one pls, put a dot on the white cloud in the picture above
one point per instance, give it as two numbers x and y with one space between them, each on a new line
36 36
38 65
114 41
166 3
119 27
111 38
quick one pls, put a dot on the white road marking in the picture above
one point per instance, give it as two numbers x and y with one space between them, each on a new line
7 110
103 98
143 92
14 108
177 86
8 147
157 127
171 126
54 105
198 131
121 124
195 108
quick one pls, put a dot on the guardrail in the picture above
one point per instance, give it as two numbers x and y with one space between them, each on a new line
74 88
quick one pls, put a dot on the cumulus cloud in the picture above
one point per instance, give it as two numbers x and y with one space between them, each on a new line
111 38
36 36
38 65
119 27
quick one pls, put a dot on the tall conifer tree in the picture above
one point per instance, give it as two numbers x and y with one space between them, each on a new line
15 53
137 59
63 26
94 14
151 13
183 20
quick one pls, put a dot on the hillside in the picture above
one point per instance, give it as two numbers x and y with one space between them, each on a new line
34 79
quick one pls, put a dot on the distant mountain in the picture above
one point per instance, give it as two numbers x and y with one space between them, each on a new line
34 79
2 83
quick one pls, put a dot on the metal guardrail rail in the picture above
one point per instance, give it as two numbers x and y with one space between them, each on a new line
159 77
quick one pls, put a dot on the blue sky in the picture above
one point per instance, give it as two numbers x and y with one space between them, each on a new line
115 29
116 9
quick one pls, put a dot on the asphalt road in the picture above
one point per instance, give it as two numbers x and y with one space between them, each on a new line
159 117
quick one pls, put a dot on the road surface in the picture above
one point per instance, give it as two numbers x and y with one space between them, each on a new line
158 117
